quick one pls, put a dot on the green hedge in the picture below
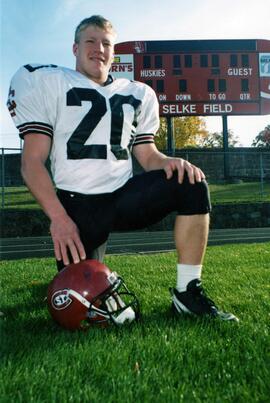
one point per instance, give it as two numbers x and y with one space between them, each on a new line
24 223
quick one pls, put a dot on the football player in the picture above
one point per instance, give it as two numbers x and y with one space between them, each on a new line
90 124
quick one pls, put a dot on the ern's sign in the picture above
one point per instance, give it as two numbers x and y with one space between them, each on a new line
123 66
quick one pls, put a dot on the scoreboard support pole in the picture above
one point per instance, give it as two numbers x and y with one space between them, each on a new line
170 139
225 146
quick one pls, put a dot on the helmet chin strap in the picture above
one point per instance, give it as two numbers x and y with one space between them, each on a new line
128 315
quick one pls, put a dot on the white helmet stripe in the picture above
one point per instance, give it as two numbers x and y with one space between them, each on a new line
86 303
79 297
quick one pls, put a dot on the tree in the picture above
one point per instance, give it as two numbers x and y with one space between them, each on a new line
263 138
187 131
216 140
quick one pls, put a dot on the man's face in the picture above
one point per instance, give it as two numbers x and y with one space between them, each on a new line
94 53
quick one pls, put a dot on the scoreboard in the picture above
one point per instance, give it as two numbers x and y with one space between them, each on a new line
200 77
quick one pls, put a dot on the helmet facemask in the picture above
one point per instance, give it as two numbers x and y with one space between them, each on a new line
117 304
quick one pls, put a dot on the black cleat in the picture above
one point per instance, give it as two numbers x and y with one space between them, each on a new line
194 301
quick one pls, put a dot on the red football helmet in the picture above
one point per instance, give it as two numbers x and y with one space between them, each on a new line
89 293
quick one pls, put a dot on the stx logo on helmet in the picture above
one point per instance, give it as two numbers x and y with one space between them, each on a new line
61 299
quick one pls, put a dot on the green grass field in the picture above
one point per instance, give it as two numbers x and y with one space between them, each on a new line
19 197
240 193
160 358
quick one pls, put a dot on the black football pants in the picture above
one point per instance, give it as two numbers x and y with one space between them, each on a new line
144 200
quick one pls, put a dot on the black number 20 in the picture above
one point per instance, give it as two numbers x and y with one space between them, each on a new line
76 147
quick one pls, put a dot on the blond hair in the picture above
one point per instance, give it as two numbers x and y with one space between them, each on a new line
96 21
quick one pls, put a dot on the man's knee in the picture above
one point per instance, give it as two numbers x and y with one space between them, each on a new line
194 198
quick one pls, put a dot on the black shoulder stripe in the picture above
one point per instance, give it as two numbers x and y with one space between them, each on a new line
35 127
32 68
34 123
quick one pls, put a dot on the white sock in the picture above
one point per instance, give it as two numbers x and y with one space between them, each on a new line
187 273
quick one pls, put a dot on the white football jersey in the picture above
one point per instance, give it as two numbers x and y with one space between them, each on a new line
92 127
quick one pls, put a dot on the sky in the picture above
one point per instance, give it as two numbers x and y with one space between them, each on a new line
34 31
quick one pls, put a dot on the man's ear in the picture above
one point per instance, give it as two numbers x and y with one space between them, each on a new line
75 49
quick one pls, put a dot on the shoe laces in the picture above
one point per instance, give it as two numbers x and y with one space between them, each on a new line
198 292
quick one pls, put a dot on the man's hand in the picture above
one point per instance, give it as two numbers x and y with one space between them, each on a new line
194 173
150 159
66 240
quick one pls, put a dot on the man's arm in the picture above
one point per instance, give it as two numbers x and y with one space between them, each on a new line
151 159
64 232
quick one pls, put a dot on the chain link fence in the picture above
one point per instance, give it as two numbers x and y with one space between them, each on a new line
237 166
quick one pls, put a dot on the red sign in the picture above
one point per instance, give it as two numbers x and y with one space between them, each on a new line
204 77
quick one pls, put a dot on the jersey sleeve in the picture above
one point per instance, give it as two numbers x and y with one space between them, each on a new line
148 118
28 103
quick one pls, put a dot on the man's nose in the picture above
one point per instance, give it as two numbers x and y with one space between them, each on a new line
99 47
